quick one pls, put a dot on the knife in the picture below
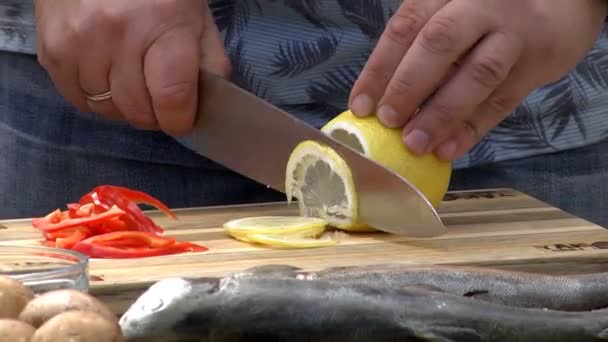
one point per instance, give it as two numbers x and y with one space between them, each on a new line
250 136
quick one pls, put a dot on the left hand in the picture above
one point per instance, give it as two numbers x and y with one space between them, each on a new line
467 64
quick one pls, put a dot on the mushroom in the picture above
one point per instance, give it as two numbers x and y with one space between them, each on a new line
15 331
13 297
49 304
79 326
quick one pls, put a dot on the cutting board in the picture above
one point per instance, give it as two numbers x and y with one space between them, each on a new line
498 228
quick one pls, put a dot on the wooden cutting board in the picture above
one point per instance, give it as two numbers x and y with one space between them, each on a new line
498 228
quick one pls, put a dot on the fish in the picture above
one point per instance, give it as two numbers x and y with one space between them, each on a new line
274 307
581 292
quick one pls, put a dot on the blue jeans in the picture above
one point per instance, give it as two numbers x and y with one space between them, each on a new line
575 180
50 155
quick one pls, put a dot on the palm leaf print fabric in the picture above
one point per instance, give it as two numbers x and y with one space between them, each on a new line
305 55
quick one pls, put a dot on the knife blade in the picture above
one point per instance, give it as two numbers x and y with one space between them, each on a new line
250 136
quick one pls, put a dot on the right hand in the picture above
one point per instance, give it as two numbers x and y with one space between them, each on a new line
148 53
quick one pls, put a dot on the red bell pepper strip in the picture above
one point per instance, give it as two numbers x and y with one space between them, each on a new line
62 233
104 251
76 236
189 247
135 218
135 196
141 198
126 242
73 206
132 245
72 209
48 243
127 200
147 239
78 210
85 210
53 216
49 225
91 197
112 225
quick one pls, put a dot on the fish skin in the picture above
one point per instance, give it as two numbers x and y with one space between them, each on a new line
275 308
568 293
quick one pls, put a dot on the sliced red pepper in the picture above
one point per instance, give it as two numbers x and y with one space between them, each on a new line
78 210
62 233
113 225
95 250
126 242
117 197
142 198
49 226
53 216
147 239
135 196
85 210
131 244
73 208
127 200
108 223
77 235
135 218
92 197
47 243
189 247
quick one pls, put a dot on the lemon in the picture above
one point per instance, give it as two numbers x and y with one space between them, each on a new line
279 231
322 182
291 242
427 173
276 225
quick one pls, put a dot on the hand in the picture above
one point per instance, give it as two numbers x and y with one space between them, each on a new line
467 64
148 53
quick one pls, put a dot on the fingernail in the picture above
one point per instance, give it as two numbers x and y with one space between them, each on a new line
362 105
446 151
388 116
417 141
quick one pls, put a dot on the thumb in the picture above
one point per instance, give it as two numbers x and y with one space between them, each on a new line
213 53
171 68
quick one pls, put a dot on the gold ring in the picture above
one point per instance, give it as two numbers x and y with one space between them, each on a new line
100 97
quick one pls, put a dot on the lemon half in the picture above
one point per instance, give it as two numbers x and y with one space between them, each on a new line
427 173
322 182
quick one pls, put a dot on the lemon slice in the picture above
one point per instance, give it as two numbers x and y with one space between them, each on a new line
290 242
322 182
281 225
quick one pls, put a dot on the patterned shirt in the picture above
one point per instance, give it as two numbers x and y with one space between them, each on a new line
304 56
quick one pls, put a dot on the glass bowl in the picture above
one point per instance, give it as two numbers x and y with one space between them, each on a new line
44 269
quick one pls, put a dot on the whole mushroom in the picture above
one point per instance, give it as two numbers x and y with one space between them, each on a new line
44 307
13 297
15 331
78 326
